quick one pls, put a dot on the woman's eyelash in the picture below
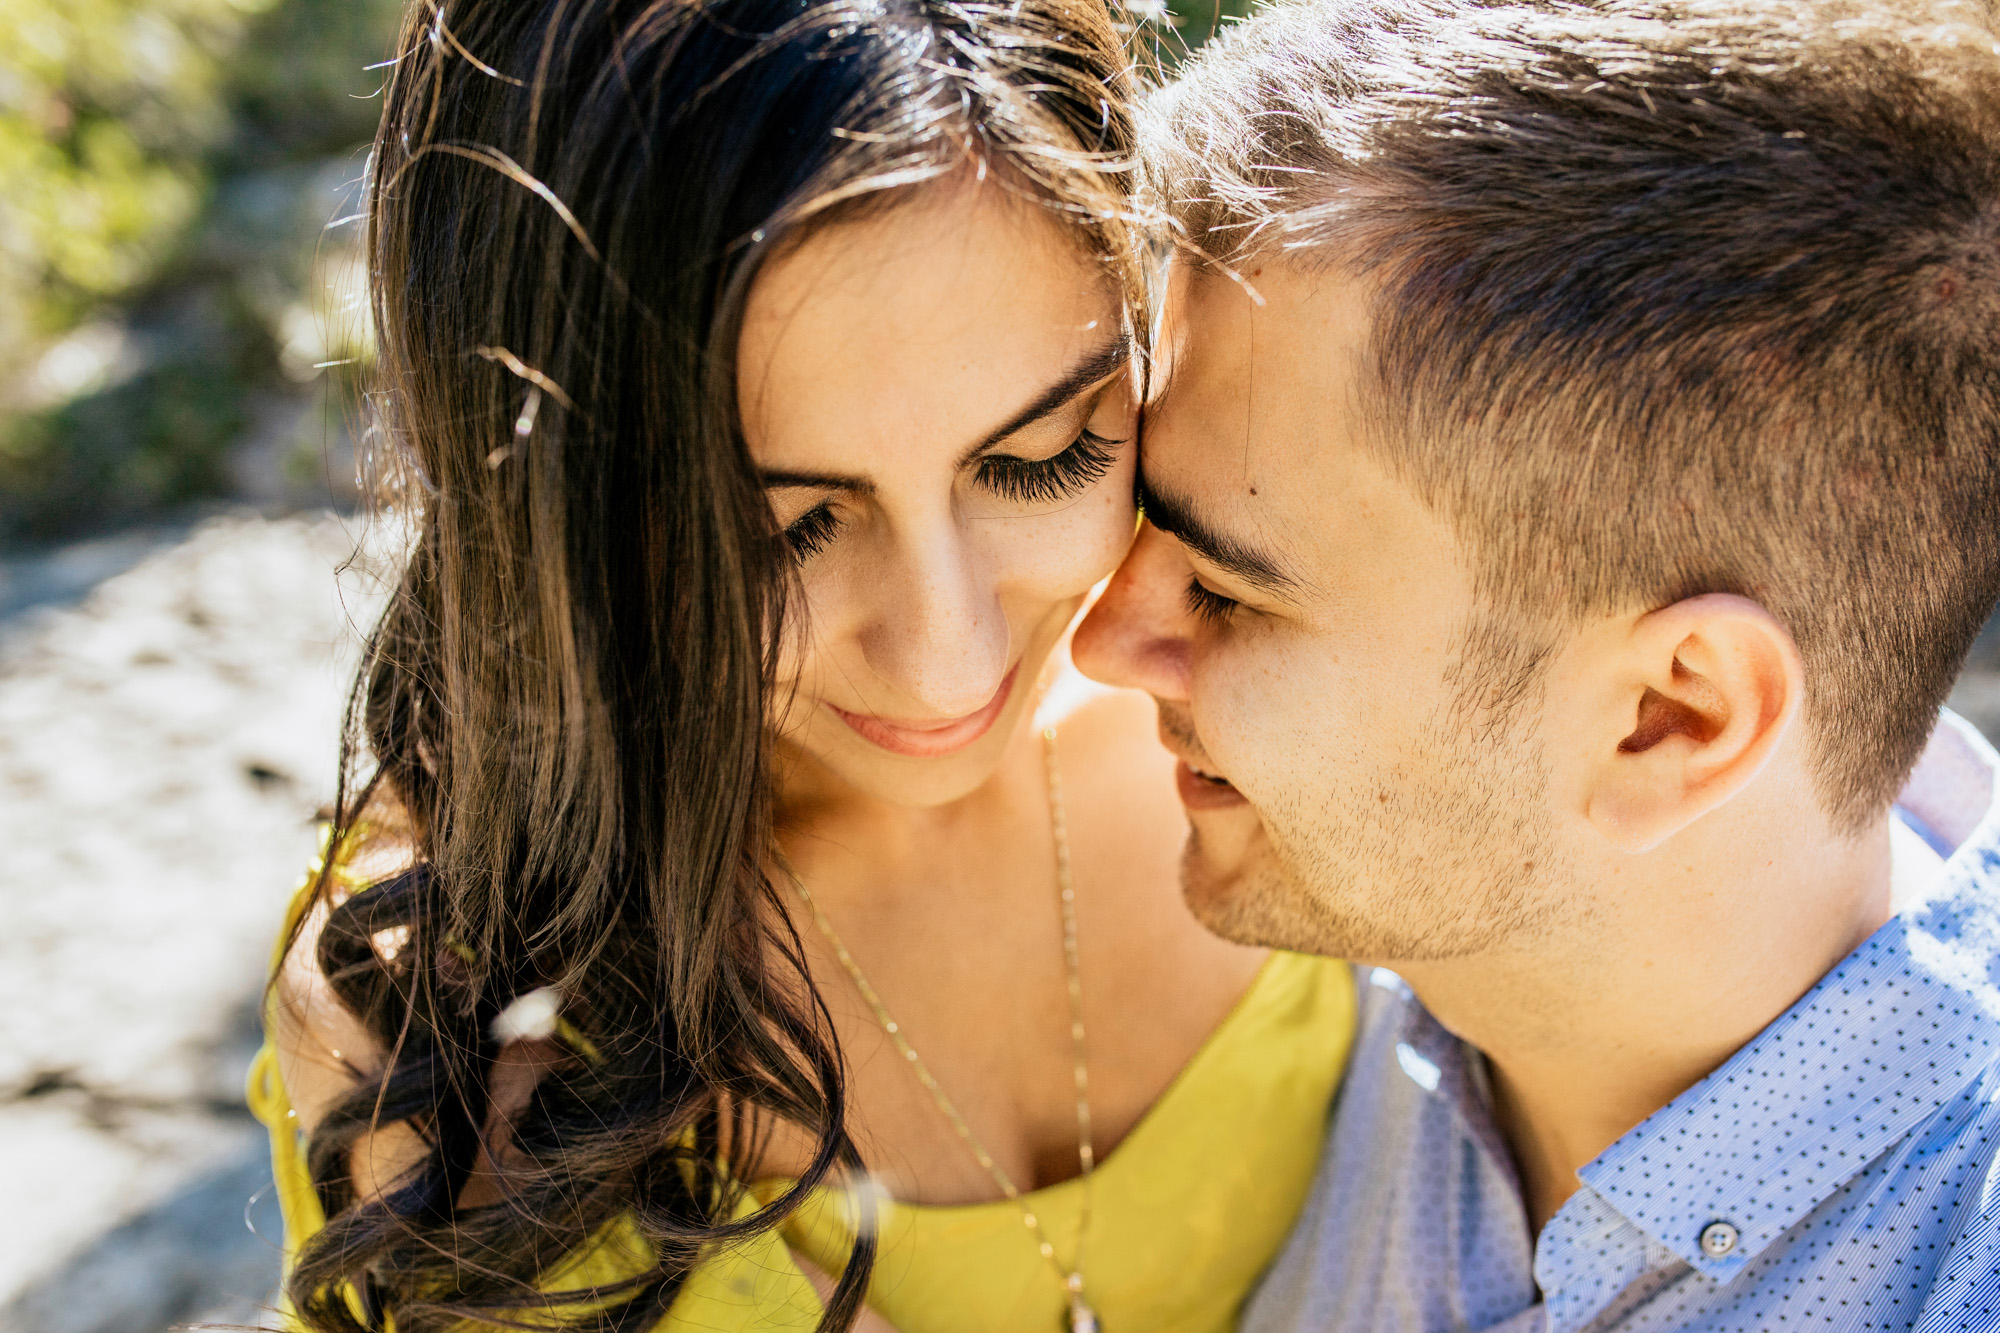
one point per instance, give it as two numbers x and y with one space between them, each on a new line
1207 605
1041 480
1023 480
809 533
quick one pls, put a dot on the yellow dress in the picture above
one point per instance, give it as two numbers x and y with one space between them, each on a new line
1185 1213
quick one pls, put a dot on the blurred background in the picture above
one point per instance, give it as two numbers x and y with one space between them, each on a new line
179 345
181 342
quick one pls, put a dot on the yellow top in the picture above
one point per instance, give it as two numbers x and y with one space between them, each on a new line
1185 1213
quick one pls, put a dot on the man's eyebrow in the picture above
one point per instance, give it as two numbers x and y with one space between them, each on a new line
1094 366
1176 516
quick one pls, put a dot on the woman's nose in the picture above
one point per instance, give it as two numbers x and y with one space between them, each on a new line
1139 633
941 643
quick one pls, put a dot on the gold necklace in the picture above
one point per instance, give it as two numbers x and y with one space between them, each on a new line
1082 1318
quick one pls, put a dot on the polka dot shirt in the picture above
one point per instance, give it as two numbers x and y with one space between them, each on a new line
1840 1172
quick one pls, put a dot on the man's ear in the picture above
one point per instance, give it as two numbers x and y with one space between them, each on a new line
1703 691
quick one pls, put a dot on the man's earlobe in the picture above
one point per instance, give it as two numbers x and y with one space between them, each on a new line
1710 686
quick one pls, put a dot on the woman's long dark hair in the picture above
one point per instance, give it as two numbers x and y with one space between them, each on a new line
563 712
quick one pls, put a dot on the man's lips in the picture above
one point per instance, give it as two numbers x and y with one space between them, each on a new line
1204 791
1200 786
928 740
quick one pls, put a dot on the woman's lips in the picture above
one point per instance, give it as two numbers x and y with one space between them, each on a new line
928 740
1198 792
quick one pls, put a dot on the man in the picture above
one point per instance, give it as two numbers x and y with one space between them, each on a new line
1573 486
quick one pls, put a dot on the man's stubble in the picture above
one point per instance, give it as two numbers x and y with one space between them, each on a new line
1450 851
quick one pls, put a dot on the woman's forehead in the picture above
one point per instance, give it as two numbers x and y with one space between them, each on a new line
935 317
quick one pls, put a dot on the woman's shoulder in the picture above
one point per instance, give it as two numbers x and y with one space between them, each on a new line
304 1013
324 1053
322 1049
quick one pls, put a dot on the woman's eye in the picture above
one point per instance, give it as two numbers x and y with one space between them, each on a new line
1207 605
809 533
1039 481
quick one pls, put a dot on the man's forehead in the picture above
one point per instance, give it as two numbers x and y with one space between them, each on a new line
1251 417
1299 293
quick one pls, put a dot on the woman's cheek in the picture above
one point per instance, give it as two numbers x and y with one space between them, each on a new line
1068 553
814 614
1116 526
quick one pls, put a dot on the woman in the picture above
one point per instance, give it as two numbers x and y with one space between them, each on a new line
734 897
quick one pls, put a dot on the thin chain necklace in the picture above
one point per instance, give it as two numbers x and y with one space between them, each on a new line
1082 1318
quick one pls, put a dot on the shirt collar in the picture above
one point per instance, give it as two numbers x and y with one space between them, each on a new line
1450 1071
1892 1034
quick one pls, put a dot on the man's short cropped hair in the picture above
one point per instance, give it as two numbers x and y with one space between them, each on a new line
1673 297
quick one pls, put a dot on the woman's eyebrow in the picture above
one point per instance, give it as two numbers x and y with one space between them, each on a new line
776 478
1094 366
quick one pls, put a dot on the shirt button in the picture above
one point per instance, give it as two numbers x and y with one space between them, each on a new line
1718 1239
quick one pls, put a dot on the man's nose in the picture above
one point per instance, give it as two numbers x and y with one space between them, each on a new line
1139 633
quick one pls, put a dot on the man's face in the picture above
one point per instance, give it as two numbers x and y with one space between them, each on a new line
1306 632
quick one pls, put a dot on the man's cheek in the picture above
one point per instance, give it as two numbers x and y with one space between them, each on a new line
1251 723
1254 761
1225 700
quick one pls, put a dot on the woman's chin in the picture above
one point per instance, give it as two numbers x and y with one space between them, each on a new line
932 763
921 775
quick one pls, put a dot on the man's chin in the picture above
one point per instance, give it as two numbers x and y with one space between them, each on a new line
1234 886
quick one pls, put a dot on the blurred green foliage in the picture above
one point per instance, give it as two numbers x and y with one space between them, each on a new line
167 168
1192 22
103 101
158 438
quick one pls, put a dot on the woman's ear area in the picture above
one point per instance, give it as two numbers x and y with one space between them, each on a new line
1685 707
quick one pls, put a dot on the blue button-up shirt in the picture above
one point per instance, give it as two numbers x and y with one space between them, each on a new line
1842 1171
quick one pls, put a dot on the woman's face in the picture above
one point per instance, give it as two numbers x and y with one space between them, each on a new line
938 399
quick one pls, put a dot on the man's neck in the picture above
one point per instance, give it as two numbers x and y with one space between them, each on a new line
1586 1038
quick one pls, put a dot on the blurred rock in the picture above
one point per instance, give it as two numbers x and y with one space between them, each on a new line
163 749
190 1257
65 574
